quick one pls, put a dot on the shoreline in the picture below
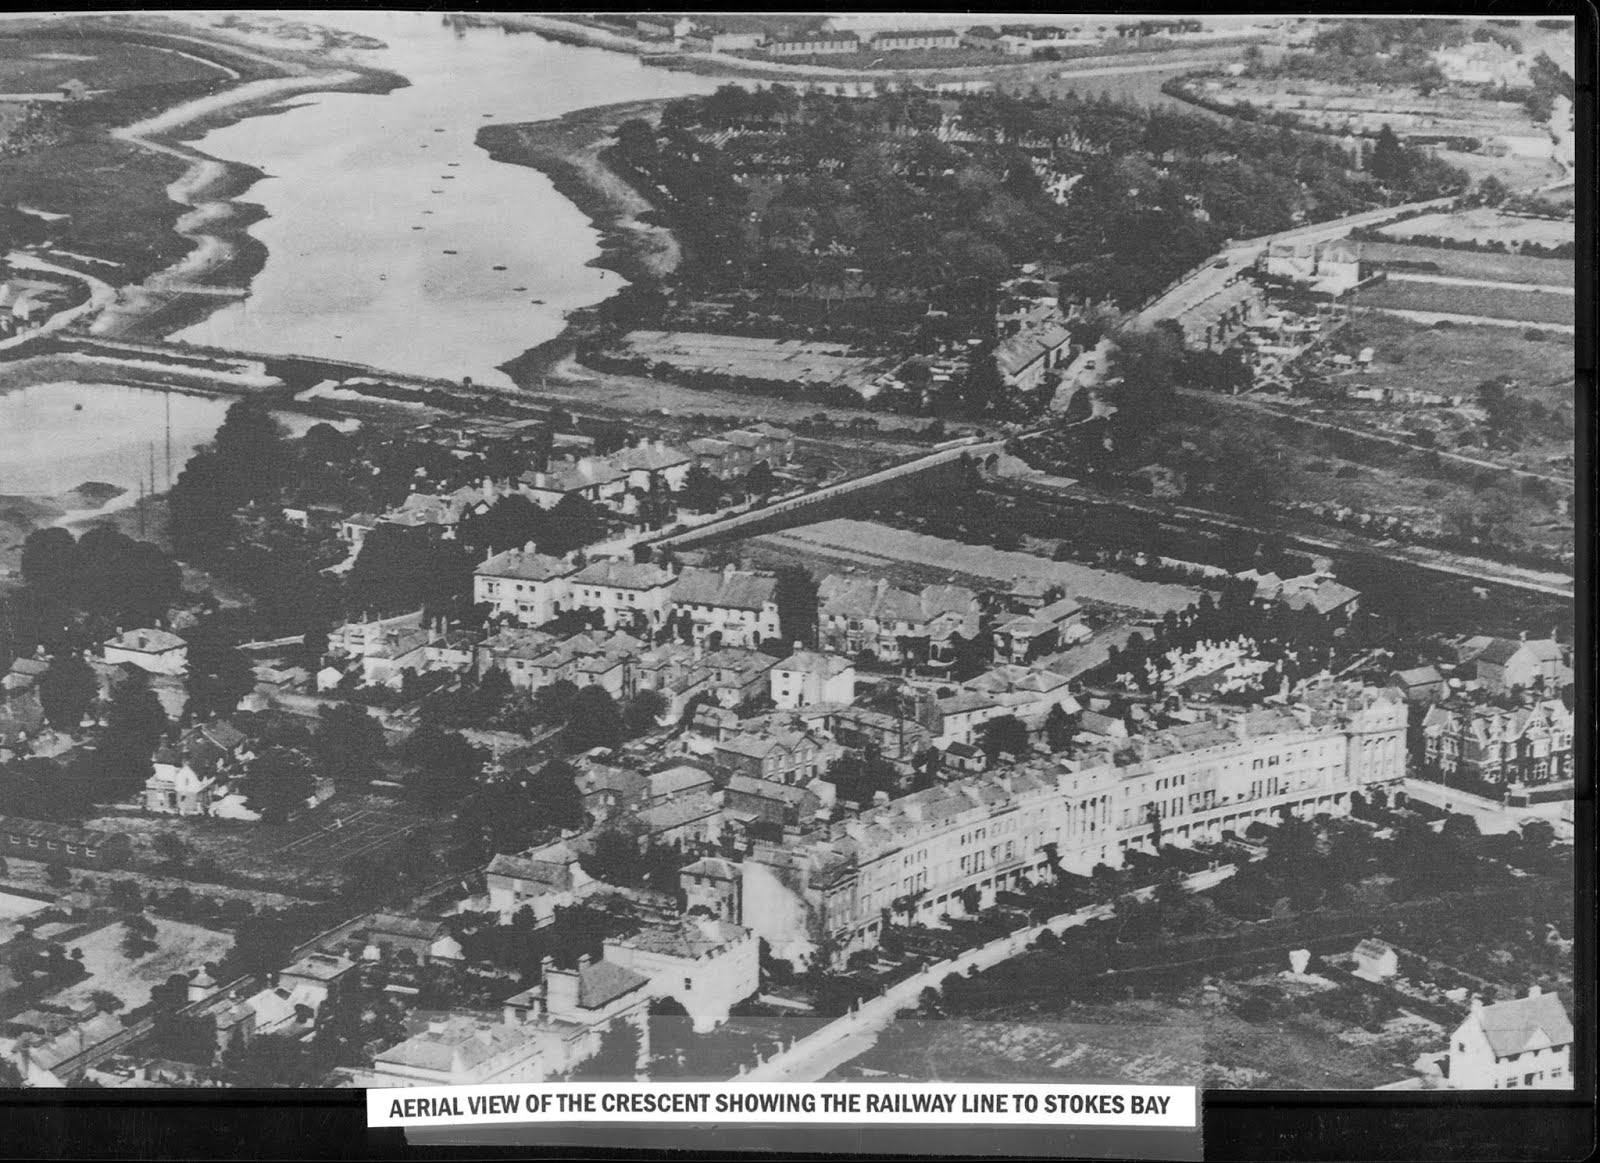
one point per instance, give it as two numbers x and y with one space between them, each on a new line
217 220
567 150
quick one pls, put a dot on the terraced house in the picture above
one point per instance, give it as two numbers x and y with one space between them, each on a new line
922 853
727 607
524 585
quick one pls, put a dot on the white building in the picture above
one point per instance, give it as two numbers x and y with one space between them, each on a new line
704 965
626 594
1523 1044
528 586
152 651
739 607
806 677
541 880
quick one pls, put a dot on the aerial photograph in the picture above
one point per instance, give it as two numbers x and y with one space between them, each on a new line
879 547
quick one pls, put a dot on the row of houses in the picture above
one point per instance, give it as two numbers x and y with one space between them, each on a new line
615 482
822 893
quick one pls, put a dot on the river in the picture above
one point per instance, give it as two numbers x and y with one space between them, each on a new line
59 435
392 239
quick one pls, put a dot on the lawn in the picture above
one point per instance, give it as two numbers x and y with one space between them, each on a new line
1467 264
1487 302
1484 225
40 65
179 948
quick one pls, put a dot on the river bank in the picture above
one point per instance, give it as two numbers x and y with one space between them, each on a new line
567 150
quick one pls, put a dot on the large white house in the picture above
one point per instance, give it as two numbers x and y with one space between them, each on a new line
152 651
806 677
705 965
1522 1044
523 584
626 594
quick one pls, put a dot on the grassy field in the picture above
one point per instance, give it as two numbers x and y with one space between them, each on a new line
875 548
1466 264
39 65
1486 302
179 948
1484 225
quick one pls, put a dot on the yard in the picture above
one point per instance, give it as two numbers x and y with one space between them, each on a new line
179 949
874 547
1484 224
751 358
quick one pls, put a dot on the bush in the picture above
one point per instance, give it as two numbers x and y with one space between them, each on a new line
1535 335
1347 472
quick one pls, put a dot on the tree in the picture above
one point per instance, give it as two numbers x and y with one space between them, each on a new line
66 691
138 936
446 768
613 858
218 676
796 596
261 945
760 481
592 721
106 1001
553 701
250 444
57 876
574 523
279 783
556 796
1007 734
643 712
48 558
1390 164
616 1059
135 725
401 568
701 491
348 744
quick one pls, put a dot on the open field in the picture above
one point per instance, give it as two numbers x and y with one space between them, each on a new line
871 546
40 65
1457 360
179 948
1194 1037
1529 306
790 360
1485 225
1467 264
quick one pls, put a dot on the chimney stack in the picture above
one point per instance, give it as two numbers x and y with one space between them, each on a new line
1534 991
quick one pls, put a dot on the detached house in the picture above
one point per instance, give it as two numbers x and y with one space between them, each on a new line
895 625
1523 747
1523 1044
1508 664
190 776
703 964
542 880
152 651
727 607
806 677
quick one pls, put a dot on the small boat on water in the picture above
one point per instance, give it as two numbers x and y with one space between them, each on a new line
438 131
519 288
449 252
538 302
499 268
416 228
447 177
77 407
453 164
438 191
